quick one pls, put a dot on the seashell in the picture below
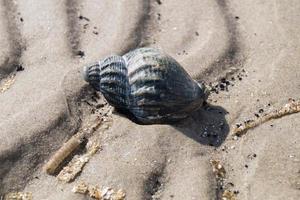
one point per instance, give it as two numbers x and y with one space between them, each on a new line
147 83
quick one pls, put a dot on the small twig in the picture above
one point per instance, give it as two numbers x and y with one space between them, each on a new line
290 108
69 147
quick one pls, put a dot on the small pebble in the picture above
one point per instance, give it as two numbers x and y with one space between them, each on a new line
19 68
222 87
80 53
82 17
85 26
231 184
158 16
236 192
159 2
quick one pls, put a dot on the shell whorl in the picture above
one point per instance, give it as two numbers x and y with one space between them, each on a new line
110 77
148 83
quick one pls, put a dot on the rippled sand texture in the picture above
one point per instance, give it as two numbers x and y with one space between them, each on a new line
212 39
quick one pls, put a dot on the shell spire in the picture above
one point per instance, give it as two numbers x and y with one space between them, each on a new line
109 76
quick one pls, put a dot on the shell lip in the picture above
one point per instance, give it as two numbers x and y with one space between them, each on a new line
204 89
206 92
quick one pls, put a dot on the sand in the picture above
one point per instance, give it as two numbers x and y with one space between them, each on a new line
254 45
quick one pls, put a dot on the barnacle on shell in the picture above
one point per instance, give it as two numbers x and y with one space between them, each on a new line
147 83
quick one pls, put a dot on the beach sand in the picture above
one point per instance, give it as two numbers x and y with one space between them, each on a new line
253 46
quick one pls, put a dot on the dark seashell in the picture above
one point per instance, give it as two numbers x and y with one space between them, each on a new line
147 83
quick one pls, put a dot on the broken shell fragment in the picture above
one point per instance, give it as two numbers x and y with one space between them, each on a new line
18 196
95 192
